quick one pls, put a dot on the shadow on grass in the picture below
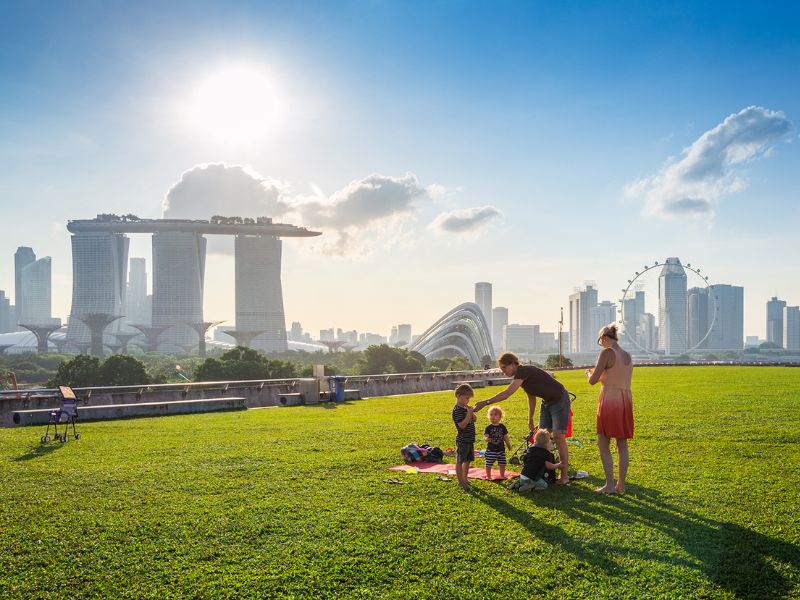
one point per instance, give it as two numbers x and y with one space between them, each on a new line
739 560
39 450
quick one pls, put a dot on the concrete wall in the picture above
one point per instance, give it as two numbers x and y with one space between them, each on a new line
257 393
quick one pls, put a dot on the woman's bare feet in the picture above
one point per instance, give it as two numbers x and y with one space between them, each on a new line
619 489
563 480
606 489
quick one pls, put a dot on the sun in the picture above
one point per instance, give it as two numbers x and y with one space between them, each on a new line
236 104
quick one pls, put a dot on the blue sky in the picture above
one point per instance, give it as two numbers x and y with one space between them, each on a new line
529 123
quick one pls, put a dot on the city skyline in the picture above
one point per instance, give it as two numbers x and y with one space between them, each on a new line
528 146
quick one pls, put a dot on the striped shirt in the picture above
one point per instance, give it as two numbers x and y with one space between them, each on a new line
466 435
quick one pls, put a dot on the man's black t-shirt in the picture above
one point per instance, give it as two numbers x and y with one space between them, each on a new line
533 462
496 434
538 382
466 435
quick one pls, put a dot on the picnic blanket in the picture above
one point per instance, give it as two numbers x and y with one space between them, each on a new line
450 469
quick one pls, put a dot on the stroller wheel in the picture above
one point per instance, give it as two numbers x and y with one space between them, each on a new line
64 438
514 461
77 436
57 436
45 439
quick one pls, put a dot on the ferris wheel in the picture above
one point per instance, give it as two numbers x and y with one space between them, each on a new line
635 281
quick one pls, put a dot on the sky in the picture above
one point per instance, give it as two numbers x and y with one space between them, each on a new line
533 145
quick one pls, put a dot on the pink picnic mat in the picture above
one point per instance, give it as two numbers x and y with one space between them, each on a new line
450 469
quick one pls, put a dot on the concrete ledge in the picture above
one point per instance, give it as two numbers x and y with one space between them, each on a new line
109 412
291 399
352 394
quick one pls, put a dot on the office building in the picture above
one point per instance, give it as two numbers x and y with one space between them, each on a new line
23 257
483 298
632 309
791 328
499 321
259 294
520 338
583 334
99 265
727 332
404 334
648 332
698 310
775 321
138 308
673 337
36 293
603 314
6 324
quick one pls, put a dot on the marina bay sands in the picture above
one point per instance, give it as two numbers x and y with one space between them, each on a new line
100 268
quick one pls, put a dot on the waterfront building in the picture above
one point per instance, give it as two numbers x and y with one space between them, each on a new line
520 338
672 324
99 261
259 294
178 270
727 333
462 331
632 309
603 314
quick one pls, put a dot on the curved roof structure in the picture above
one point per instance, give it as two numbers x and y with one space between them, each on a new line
188 226
463 330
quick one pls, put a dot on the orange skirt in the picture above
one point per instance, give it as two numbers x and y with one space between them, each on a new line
615 413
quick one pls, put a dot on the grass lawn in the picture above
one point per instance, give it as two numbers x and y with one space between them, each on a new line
293 502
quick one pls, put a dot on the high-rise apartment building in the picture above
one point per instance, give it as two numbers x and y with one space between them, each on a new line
791 327
138 307
672 324
499 321
99 265
259 295
583 334
23 257
36 291
775 320
483 298
179 260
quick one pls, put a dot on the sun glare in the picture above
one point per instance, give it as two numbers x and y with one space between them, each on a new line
235 104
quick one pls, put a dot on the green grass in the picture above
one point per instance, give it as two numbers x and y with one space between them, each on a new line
292 502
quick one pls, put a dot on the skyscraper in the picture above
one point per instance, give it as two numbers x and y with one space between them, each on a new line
727 333
791 327
698 308
36 290
603 314
483 298
138 308
583 334
23 257
632 309
404 334
5 314
259 295
521 338
499 320
99 265
672 334
179 260
775 320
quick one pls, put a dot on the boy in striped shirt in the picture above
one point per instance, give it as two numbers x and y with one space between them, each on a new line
464 419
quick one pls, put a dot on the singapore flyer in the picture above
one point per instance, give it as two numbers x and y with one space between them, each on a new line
676 321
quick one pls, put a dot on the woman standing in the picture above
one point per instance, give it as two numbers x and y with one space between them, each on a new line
614 370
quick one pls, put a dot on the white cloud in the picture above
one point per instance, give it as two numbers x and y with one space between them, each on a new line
230 190
366 214
465 220
713 166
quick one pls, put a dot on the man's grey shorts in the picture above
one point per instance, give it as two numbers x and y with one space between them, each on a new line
554 416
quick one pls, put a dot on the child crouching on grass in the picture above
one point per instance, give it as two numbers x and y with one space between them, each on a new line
496 436
539 464
464 419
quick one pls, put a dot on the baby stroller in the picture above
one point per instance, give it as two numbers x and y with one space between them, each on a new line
67 414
